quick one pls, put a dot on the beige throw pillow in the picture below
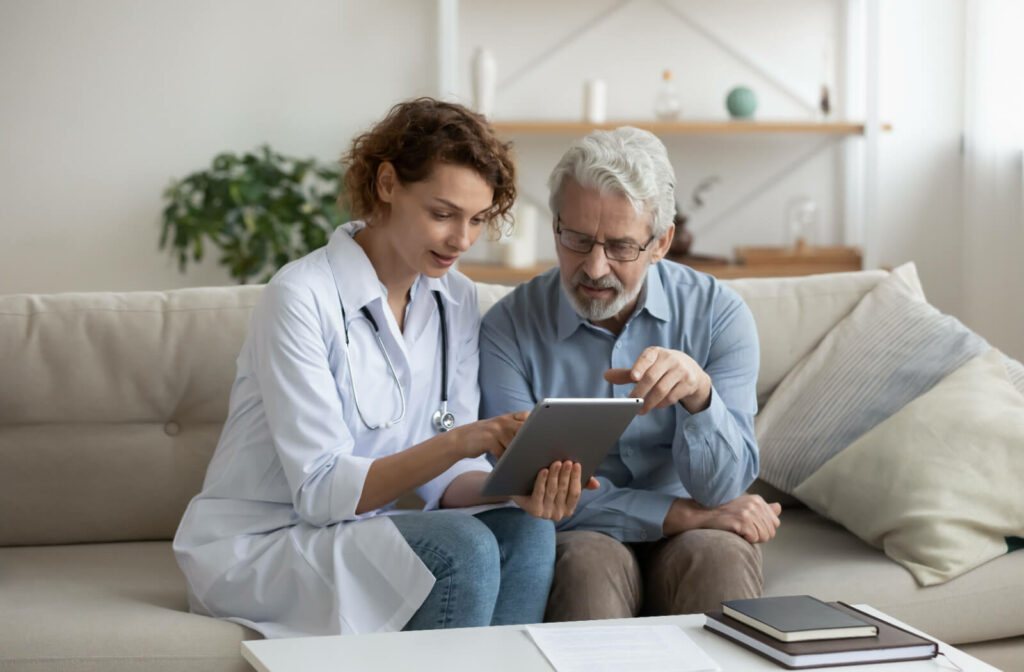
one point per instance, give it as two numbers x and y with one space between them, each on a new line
891 348
937 485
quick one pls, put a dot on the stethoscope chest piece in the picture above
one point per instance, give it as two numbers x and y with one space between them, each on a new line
443 418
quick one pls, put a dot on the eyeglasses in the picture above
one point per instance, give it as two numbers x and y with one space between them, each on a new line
615 250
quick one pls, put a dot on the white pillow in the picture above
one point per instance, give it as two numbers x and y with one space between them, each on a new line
937 486
890 349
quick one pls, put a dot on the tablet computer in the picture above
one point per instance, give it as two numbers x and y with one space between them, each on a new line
581 430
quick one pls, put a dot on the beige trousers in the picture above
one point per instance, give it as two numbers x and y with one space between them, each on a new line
693 572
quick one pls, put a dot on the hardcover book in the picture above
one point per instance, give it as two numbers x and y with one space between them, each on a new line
889 645
797 618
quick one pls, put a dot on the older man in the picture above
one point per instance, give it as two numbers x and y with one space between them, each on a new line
670 529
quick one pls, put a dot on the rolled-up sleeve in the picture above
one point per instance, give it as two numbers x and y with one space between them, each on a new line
715 451
303 408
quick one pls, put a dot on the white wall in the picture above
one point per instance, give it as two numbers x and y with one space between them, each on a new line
920 166
103 102
628 46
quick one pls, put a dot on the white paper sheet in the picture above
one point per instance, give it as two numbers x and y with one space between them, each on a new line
637 648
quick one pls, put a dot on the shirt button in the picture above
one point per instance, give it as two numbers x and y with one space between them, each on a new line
172 428
618 345
643 534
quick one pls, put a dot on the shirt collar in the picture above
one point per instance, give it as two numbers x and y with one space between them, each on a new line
656 302
440 285
356 278
653 298
568 319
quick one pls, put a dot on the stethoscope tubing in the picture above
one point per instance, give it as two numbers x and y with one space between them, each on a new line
443 419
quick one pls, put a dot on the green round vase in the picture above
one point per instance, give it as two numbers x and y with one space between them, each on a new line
741 103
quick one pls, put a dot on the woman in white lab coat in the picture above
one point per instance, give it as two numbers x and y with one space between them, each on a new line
358 357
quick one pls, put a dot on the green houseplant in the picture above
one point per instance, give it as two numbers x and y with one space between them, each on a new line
261 209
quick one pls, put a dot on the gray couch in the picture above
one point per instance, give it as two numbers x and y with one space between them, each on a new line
111 405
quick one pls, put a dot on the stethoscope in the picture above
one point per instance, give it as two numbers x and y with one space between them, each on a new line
443 418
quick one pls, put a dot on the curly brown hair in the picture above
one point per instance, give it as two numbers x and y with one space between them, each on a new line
414 136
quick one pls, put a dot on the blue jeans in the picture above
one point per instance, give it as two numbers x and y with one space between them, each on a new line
494 568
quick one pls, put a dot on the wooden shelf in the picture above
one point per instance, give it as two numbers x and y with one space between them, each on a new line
695 127
754 262
502 275
778 262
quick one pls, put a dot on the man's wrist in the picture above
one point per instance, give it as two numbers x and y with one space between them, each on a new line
683 515
699 400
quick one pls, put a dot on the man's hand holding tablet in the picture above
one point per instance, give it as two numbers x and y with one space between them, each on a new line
556 491
559 431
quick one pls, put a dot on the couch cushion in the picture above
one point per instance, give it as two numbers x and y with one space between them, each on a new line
489 294
812 555
1002 654
794 314
107 607
116 405
938 485
890 349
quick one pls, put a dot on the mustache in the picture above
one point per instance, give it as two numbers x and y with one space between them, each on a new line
607 281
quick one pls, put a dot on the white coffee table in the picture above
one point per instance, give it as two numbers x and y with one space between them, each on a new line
509 648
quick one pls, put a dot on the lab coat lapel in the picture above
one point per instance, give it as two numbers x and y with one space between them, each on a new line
354 275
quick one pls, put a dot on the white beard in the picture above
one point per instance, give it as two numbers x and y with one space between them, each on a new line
597 310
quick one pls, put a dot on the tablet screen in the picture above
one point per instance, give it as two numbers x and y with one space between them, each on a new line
581 430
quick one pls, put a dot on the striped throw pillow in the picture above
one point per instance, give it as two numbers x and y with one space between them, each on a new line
889 350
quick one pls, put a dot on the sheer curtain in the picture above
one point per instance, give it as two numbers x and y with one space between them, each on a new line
993 227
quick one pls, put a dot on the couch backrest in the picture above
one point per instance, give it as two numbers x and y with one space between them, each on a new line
792 314
111 404
110 407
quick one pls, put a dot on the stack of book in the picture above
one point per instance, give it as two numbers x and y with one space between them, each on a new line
800 631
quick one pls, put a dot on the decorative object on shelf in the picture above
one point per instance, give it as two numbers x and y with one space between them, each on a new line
682 240
595 101
519 250
741 102
824 98
666 102
260 209
801 223
485 81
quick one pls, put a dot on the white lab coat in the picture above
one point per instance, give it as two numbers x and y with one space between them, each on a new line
273 541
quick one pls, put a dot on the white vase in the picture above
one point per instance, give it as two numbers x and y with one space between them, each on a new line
485 81
595 98
520 249
666 102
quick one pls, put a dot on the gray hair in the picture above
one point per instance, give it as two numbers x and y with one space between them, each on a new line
626 161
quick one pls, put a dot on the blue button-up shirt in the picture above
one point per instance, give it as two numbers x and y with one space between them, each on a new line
533 345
